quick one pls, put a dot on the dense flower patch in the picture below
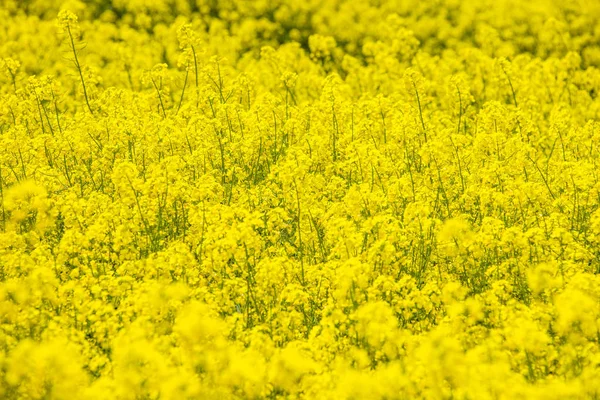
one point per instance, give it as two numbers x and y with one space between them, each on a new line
333 199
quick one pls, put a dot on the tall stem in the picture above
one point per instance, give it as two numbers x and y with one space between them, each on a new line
85 94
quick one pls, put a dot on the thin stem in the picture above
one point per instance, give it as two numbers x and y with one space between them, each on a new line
420 111
162 106
187 72
85 94
196 72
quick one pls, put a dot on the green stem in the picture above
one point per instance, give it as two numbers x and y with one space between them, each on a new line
85 94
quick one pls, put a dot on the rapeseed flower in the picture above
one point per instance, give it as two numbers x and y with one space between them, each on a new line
279 199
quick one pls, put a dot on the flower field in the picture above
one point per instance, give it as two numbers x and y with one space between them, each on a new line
282 199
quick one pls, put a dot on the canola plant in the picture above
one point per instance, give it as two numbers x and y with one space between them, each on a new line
282 199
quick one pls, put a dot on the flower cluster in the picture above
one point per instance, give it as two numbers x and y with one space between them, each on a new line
279 199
